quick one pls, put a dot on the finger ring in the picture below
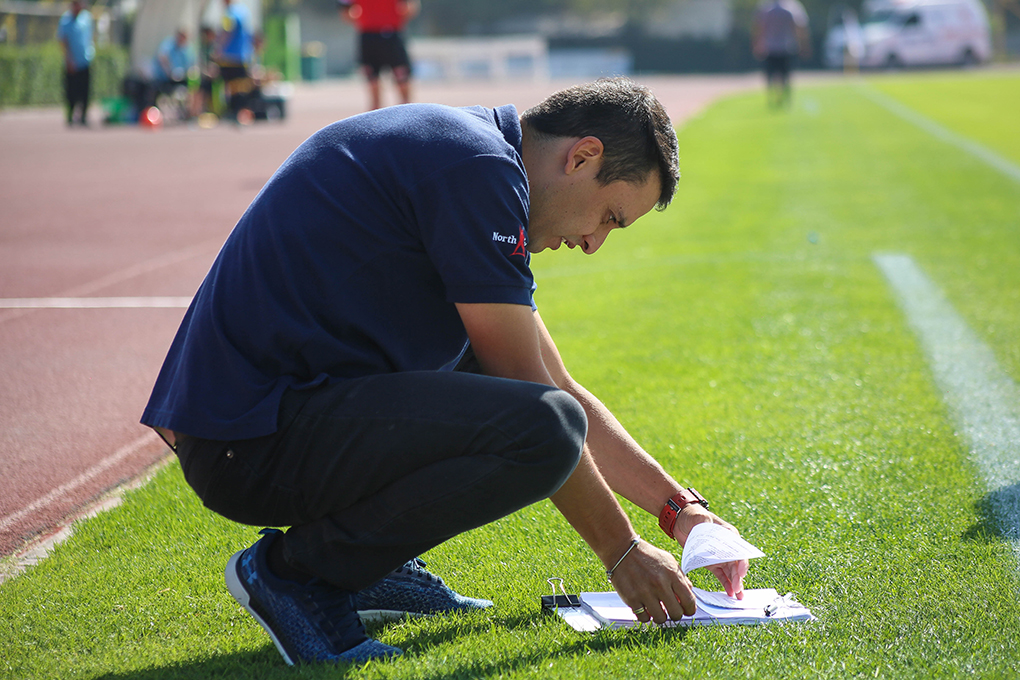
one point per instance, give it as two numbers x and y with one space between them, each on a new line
639 611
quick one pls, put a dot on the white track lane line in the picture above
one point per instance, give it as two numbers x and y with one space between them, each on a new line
984 401
85 477
96 303
162 261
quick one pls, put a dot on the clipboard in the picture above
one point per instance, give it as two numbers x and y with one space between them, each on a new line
588 612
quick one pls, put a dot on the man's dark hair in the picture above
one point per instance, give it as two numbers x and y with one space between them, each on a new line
636 134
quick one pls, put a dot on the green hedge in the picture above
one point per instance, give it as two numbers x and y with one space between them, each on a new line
32 75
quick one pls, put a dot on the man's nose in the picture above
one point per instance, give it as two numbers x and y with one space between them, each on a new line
592 242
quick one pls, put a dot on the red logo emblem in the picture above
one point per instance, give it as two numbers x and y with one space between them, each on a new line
519 248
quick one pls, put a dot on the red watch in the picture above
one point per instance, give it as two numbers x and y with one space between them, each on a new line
672 508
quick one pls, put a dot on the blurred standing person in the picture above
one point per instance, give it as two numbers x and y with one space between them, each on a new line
173 59
779 35
170 66
74 32
234 53
853 42
209 71
380 24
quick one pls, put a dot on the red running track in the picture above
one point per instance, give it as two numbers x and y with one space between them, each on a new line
126 212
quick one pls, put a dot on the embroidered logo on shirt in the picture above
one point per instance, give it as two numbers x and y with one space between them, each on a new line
519 241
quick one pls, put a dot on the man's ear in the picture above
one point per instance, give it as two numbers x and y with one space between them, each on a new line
584 153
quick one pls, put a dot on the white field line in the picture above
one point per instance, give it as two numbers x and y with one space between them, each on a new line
985 401
39 549
1006 167
96 303
154 264
90 474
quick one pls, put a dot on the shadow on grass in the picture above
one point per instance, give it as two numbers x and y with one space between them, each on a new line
266 662
998 513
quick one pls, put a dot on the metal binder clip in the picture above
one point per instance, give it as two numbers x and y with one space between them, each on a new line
788 600
555 601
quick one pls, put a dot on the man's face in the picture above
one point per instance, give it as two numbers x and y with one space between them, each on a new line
583 212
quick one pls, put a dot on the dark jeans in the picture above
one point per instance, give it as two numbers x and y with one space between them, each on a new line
371 472
76 92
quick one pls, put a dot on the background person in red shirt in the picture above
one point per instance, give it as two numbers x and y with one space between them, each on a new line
381 45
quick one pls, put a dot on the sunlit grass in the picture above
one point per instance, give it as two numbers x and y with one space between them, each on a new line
747 340
982 106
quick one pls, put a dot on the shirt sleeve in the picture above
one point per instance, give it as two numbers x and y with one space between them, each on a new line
472 217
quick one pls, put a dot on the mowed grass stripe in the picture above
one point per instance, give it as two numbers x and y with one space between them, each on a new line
748 341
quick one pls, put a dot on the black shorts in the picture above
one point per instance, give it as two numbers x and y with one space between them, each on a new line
233 72
778 65
384 50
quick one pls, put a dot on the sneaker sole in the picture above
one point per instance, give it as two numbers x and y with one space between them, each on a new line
386 615
238 591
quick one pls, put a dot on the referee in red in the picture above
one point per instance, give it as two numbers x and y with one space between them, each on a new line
380 24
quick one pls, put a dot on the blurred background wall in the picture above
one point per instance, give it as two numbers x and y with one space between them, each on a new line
579 38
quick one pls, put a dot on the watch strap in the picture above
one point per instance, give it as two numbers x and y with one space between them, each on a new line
671 510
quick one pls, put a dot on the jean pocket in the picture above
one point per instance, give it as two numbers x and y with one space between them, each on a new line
202 461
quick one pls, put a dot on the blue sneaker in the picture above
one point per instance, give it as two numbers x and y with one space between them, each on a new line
412 590
311 623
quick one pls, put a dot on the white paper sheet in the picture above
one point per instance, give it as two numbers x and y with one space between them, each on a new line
710 544
611 612
706 545
753 599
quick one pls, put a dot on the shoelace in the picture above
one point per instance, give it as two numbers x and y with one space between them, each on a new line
416 568
335 613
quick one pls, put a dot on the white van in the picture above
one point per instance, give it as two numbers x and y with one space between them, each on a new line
918 33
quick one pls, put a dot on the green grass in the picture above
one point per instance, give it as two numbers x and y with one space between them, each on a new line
980 106
747 340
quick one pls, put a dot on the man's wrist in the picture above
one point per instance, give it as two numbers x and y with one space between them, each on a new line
671 509
610 571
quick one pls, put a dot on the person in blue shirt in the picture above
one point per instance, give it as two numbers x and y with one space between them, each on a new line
234 51
366 365
173 59
74 33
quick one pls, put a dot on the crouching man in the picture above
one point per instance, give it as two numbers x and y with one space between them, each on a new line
365 365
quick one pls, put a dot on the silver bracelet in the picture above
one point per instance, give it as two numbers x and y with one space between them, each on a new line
609 572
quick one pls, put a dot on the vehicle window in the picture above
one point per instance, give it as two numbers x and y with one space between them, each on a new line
884 16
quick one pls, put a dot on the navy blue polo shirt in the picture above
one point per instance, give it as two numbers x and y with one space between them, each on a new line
348 263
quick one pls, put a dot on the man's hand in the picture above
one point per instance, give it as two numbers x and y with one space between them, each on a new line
650 582
730 574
